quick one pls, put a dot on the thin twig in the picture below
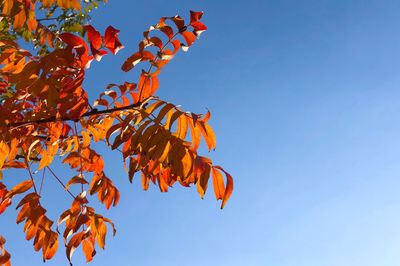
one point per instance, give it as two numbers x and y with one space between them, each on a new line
30 159
80 151
43 19
41 183
30 175
59 181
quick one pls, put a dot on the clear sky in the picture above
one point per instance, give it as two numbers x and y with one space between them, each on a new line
305 103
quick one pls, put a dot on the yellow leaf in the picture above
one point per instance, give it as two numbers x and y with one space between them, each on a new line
31 149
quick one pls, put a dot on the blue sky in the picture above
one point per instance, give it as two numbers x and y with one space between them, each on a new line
304 97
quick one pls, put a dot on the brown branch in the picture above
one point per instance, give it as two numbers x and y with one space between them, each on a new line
30 175
43 19
79 150
61 137
41 183
35 159
59 181
90 113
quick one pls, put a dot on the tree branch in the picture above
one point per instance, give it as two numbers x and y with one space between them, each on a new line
31 176
30 159
90 113
59 181
43 19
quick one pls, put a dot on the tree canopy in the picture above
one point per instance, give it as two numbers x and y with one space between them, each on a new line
45 113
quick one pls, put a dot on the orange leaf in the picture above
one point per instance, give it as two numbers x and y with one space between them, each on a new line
101 234
28 198
208 135
134 59
73 244
4 204
51 245
229 186
4 152
20 19
7 6
218 184
5 258
195 132
20 188
76 180
189 37
88 250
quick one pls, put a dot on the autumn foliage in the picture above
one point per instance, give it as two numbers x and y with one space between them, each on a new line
45 113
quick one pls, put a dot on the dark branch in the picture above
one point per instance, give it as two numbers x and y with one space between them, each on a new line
90 113
43 19
61 183
35 159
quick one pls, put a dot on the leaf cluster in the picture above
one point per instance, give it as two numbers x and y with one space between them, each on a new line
45 113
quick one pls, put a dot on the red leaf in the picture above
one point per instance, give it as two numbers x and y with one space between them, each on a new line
111 40
72 40
95 42
98 54
179 22
93 36
195 16
198 26
168 31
